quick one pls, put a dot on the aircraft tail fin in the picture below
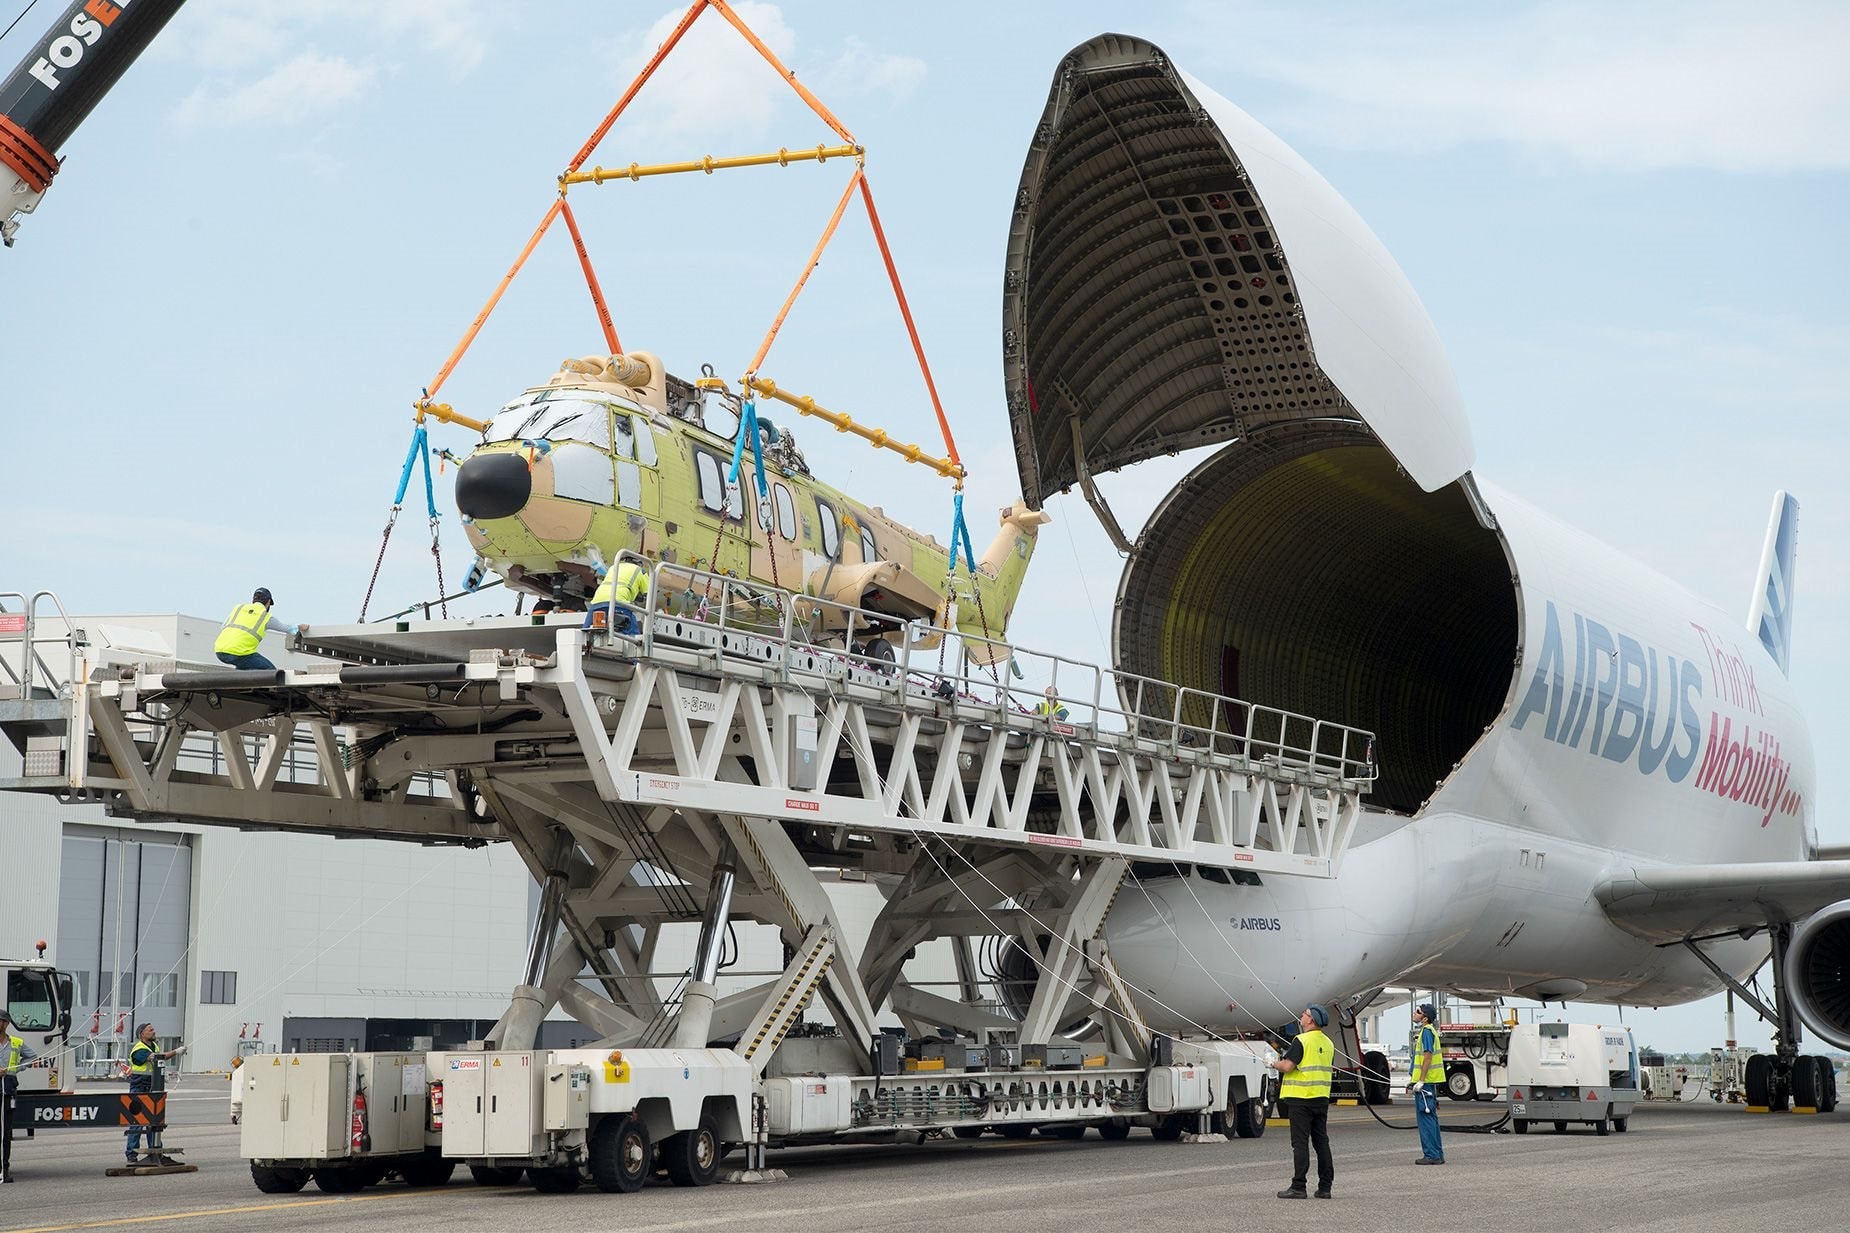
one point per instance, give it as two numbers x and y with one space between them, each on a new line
1769 616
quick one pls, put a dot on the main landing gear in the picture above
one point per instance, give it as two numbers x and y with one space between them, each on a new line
1784 1079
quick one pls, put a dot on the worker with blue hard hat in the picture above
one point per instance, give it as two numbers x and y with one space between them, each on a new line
1427 1077
1308 1064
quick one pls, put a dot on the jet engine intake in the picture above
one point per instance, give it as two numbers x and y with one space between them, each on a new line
1818 973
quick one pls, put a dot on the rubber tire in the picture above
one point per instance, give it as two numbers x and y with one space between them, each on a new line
621 1157
562 1179
1015 1130
1374 1090
1115 1132
1063 1130
1830 1088
1169 1130
492 1175
1601 1128
278 1181
1248 1120
340 1181
1520 1126
1807 1087
1759 1081
1560 1128
879 650
1621 1124
692 1157
1467 1090
433 1170
967 1132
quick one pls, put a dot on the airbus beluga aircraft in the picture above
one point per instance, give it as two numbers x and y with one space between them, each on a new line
1593 784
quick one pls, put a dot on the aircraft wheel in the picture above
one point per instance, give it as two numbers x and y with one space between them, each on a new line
692 1156
1461 1082
879 649
1760 1081
620 1155
490 1175
1807 1085
1520 1126
1375 1078
278 1181
1117 1132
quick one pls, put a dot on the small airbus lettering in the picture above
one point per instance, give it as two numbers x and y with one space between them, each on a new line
1269 923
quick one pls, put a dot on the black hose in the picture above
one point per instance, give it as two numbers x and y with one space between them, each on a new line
1487 1128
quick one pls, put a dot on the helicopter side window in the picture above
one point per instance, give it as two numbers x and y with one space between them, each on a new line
831 530
645 444
870 551
716 496
623 443
786 512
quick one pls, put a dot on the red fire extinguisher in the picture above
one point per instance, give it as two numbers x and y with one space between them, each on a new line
361 1139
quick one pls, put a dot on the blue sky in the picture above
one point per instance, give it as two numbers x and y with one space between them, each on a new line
1627 226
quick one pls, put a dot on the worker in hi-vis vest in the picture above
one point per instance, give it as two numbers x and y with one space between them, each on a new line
244 630
1308 1063
622 588
13 1051
144 1075
1427 1078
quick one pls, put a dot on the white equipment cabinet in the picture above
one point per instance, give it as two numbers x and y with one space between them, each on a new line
1572 1072
492 1105
297 1106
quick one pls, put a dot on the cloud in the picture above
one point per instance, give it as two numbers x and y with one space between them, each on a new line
861 70
1648 85
714 80
254 57
299 88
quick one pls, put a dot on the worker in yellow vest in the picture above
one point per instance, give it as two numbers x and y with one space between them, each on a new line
13 1052
1308 1063
1427 1078
623 587
144 1075
1049 706
243 633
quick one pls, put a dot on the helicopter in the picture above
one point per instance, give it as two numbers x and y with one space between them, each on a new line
613 454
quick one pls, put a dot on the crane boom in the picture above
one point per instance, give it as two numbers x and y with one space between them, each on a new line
64 75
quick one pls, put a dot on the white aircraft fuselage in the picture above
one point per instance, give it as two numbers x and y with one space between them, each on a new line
1642 723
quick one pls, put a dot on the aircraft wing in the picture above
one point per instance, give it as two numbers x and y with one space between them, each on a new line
1667 903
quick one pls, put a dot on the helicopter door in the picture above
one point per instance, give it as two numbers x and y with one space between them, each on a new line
777 538
721 517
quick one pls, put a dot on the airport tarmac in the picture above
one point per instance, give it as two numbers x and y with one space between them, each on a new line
1686 1167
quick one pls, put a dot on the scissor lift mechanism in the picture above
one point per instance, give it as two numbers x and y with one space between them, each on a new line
703 768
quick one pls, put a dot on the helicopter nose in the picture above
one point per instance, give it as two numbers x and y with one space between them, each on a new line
493 486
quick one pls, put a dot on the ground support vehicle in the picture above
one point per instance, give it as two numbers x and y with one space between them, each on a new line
702 772
1572 1072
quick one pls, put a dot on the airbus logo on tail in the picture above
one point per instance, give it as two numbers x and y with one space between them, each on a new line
1622 699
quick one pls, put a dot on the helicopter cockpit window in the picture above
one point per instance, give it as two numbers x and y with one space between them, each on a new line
831 530
720 418
645 444
624 445
556 419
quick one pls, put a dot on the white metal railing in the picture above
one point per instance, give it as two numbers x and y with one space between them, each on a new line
1012 680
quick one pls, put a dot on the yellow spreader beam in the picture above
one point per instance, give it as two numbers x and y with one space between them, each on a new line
709 165
876 437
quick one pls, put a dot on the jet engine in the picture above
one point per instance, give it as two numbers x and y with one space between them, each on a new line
1818 973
